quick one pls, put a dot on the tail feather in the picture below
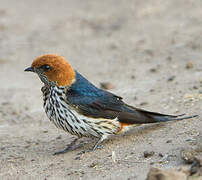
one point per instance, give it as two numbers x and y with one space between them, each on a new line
140 116
165 118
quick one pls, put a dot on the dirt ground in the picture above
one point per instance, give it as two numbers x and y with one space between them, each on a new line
151 51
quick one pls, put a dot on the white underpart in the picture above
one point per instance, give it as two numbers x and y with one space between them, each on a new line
67 118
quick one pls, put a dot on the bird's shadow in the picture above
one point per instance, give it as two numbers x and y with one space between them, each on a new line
85 144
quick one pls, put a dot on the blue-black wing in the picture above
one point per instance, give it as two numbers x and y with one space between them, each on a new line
97 103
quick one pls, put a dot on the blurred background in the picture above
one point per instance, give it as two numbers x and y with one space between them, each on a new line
150 53
105 35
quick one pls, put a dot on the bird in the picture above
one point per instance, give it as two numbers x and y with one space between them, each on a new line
74 104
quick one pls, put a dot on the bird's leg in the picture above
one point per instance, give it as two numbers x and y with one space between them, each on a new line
97 144
68 148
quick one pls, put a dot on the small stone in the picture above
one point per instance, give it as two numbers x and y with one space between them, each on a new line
153 70
113 46
169 141
164 159
132 77
171 78
189 140
160 155
189 65
143 103
77 158
106 85
195 87
169 58
148 153
188 155
28 142
93 164
149 52
82 172
59 137
160 174
194 46
196 167
152 90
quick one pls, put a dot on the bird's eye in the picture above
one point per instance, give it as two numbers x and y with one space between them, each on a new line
46 67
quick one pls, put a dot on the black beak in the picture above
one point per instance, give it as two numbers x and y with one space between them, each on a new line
29 69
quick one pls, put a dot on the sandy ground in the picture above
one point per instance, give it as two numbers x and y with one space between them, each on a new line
151 51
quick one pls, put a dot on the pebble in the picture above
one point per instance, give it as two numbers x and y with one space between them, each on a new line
152 90
189 65
169 141
171 78
77 158
153 70
132 77
143 103
59 137
93 164
160 174
149 52
196 167
188 155
113 46
148 153
169 58
160 154
195 87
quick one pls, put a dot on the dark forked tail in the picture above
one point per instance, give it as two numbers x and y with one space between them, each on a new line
163 117
133 115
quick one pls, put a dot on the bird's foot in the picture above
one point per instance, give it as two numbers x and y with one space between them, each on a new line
91 150
96 147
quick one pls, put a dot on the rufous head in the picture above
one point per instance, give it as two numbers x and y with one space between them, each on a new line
53 70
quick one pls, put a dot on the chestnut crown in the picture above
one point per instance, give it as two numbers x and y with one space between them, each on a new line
53 69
